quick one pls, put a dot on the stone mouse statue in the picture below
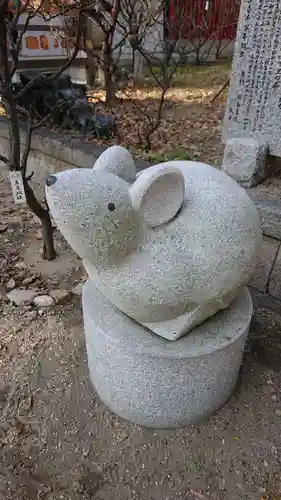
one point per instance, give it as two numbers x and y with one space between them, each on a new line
169 247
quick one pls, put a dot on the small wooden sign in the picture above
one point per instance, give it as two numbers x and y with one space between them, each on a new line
17 187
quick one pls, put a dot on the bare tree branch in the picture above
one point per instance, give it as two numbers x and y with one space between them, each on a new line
47 79
5 160
18 153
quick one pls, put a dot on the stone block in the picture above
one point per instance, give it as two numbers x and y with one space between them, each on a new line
253 107
270 214
274 288
261 275
157 383
264 300
245 161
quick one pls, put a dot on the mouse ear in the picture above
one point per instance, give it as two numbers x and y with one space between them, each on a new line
158 194
119 161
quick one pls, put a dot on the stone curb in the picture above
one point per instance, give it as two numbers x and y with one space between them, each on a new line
67 150
270 213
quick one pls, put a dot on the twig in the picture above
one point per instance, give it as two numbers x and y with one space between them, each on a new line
60 104
198 495
219 92
25 421
6 161
30 129
15 48
58 73
22 110
9 399
30 176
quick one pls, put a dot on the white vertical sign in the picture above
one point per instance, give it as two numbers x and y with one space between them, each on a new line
17 187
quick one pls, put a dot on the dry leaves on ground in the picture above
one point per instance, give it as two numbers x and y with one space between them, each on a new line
190 127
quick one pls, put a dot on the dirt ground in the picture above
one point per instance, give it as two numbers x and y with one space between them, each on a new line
58 441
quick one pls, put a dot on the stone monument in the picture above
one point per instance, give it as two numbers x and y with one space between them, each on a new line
252 126
165 251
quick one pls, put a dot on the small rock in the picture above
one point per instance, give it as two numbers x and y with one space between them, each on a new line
21 297
222 484
11 285
17 329
30 314
61 296
3 228
21 274
77 290
28 307
20 265
53 280
39 234
274 397
3 292
29 280
43 301
4 391
278 413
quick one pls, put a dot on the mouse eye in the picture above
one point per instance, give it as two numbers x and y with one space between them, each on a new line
111 207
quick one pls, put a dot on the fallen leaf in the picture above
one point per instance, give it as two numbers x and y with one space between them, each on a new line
30 402
19 426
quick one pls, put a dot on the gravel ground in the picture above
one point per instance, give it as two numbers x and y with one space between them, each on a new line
58 441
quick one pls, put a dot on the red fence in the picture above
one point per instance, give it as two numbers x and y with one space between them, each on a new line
208 19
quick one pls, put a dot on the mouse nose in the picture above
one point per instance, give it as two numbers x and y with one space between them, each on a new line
51 180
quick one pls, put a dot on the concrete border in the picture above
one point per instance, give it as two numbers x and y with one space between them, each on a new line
60 149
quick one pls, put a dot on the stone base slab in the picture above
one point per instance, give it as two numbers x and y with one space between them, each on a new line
267 276
155 382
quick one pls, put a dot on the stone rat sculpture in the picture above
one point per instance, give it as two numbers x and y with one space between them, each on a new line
169 248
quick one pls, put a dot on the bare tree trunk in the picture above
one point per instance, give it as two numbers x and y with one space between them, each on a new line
49 252
14 159
109 88
43 214
154 126
218 49
105 74
138 68
7 93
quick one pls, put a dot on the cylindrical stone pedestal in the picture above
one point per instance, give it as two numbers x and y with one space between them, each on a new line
160 383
